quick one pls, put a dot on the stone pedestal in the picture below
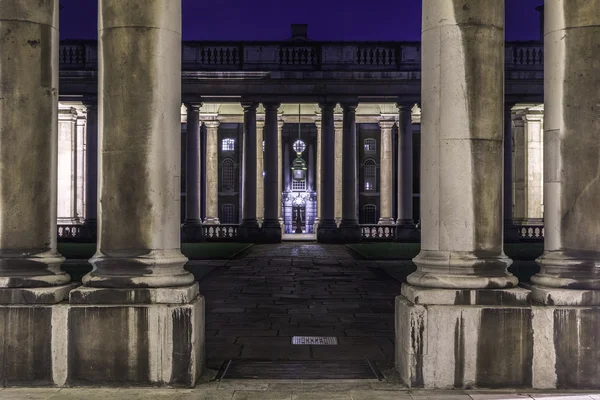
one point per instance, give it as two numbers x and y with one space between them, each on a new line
464 338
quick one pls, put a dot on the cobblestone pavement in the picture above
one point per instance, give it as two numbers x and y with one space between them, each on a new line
256 304
264 390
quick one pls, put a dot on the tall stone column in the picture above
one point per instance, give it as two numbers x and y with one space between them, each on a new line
338 123
91 168
280 124
327 229
249 229
528 166
510 231
460 306
349 229
318 174
212 172
385 192
405 225
151 313
568 284
271 227
260 168
192 225
67 166
28 151
571 258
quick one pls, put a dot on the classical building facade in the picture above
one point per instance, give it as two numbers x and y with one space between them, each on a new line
138 317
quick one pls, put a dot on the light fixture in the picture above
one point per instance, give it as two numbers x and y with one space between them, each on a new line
299 165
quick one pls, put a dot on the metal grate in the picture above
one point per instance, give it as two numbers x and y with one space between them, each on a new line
315 340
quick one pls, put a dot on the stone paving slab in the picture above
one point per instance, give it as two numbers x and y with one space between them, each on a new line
282 390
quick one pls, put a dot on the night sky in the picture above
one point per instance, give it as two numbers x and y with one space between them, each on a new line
343 20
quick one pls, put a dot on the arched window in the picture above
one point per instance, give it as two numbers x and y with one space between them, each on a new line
228 175
370 214
370 174
227 214
370 146
228 144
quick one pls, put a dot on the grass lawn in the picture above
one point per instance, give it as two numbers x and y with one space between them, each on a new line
407 251
193 251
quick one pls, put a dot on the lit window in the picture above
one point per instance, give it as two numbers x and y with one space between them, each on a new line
227 214
370 214
228 144
227 175
370 173
298 185
370 145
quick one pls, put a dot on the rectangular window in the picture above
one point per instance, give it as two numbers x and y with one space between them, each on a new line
228 144
298 186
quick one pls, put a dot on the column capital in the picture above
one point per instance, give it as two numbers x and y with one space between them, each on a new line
406 106
193 106
387 124
249 105
271 106
349 106
211 124
327 106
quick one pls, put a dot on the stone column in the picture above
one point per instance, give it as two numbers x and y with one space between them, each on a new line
510 231
80 166
385 192
318 175
271 227
460 308
327 229
28 151
67 166
461 156
568 284
339 156
405 225
192 225
280 124
138 297
349 229
249 229
212 172
260 184
571 258
139 163
91 160
528 166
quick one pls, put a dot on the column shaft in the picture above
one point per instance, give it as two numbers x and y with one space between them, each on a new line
318 174
260 168
508 170
461 153
327 227
339 156
279 169
249 190
385 184
28 145
271 225
67 166
212 172
91 183
192 225
349 168
571 150
140 161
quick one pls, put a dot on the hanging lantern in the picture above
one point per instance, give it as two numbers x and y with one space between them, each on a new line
299 168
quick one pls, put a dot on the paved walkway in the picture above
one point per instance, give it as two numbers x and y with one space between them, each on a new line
256 304
279 391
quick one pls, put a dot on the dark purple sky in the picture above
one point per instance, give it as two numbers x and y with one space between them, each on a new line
326 19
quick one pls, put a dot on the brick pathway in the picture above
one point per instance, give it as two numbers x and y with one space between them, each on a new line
256 304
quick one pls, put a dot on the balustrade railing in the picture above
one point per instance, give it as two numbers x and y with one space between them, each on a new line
271 56
75 233
377 232
223 232
530 233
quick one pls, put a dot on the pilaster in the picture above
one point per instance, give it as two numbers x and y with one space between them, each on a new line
212 171
386 176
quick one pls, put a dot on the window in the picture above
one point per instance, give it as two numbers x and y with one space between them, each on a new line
228 175
370 174
227 214
298 186
370 145
228 144
370 214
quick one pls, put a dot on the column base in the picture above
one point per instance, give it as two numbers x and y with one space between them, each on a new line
18 269
386 221
211 221
327 232
406 231
249 232
462 269
569 270
349 233
463 339
42 295
271 232
192 232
